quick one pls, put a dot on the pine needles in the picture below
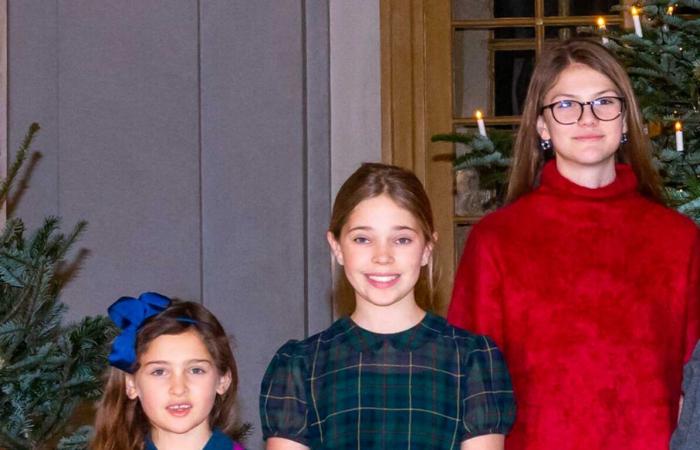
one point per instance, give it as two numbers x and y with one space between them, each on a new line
46 367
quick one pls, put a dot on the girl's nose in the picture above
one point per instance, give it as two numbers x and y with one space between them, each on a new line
587 116
383 255
178 386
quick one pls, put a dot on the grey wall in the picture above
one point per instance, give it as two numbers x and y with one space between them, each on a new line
194 137
355 87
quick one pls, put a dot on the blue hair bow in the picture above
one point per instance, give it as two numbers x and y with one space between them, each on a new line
128 314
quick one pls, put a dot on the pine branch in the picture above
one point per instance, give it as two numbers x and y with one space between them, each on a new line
20 157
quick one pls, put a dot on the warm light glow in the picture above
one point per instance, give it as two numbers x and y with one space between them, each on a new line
601 22
634 11
669 11
679 127
478 115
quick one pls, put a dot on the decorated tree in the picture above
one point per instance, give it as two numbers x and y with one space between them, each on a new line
46 367
664 66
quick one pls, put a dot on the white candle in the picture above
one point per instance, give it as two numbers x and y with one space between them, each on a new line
480 123
602 30
637 21
679 137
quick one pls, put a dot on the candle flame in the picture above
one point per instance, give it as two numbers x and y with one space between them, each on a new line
478 115
634 11
679 127
601 22
669 11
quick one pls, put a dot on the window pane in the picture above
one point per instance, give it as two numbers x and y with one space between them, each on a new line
472 9
514 33
471 72
589 7
512 71
480 74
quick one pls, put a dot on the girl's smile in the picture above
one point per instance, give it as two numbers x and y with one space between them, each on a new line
383 281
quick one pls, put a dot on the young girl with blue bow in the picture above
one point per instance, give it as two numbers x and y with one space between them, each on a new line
173 379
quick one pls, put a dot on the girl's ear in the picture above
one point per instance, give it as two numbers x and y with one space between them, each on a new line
542 129
224 383
131 391
335 247
428 250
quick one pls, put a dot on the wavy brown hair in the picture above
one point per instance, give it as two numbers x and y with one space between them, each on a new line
404 188
527 156
121 424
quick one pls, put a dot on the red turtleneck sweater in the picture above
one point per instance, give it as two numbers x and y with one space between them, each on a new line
593 295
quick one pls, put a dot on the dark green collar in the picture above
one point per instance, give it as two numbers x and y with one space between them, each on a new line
407 340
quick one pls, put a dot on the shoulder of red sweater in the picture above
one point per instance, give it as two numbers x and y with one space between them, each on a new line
506 215
670 219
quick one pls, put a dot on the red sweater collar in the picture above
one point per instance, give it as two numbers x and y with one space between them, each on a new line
625 183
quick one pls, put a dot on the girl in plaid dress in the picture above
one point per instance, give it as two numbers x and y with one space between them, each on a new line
390 375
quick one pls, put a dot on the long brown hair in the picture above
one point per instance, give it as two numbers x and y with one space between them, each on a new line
121 424
527 156
404 188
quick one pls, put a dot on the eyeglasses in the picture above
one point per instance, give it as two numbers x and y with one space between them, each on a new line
568 112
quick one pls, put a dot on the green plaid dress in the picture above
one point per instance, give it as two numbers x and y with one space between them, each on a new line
429 387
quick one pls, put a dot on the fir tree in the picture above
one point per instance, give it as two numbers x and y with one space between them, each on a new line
46 367
664 66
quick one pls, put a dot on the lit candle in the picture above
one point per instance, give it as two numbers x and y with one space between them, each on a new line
679 136
602 29
669 10
637 22
480 123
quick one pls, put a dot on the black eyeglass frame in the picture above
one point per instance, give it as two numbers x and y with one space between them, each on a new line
583 105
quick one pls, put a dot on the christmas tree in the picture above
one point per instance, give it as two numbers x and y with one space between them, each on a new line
664 66
46 367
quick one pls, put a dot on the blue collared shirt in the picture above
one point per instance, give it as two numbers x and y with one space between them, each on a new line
217 441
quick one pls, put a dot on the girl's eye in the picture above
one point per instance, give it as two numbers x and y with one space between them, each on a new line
158 372
404 241
603 101
360 240
564 104
198 371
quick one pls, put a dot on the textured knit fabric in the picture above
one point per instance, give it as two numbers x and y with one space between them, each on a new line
592 294
217 441
687 435
429 387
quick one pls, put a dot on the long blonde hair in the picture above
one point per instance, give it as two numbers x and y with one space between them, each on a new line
404 188
527 156
121 424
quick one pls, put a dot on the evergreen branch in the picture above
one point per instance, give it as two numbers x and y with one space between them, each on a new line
19 160
693 205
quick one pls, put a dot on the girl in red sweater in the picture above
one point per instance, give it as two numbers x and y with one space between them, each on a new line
585 280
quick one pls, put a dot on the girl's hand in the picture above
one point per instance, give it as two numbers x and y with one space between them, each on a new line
275 443
485 442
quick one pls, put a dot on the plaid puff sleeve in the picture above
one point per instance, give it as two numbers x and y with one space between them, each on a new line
283 395
488 404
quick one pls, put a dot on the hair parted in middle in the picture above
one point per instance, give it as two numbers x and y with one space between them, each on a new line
406 190
121 423
527 155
